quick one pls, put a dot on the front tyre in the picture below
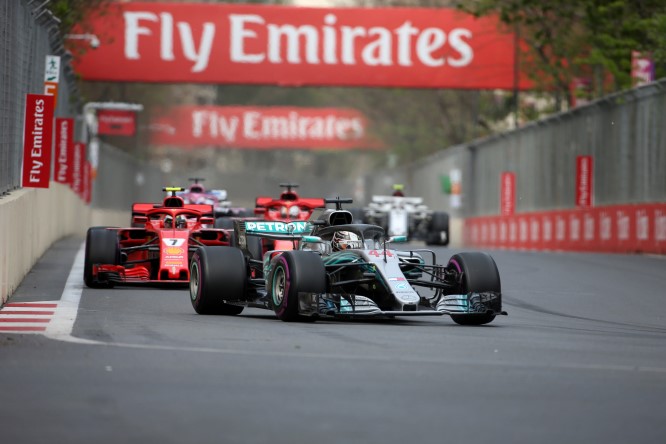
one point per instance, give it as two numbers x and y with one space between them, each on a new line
294 272
438 229
102 248
217 274
479 274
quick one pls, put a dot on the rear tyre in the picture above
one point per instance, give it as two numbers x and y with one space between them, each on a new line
480 274
217 274
102 248
293 272
438 229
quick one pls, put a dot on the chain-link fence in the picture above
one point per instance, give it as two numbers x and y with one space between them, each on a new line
624 133
28 33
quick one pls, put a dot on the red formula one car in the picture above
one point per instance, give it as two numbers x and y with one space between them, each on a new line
288 207
156 249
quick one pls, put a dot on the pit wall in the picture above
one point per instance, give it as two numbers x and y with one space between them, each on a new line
639 228
31 220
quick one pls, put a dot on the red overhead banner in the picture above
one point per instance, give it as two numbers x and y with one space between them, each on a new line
262 127
295 46
113 122
37 140
64 150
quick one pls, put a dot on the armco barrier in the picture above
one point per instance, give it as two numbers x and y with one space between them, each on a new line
637 228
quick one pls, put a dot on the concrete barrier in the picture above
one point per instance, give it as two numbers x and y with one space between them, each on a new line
31 220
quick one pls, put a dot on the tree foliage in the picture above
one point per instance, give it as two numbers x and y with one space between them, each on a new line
581 38
72 12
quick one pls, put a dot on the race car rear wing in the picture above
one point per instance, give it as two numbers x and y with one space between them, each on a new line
289 231
308 202
141 209
391 199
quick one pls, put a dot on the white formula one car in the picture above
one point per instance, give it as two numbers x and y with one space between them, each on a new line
408 216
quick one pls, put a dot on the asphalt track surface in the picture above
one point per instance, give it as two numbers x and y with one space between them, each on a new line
581 358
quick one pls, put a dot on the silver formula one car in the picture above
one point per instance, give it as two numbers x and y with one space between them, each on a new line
341 270
408 216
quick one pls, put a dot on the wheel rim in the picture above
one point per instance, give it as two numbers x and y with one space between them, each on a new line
278 289
194 280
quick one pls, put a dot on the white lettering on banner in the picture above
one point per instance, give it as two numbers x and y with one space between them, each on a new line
622 226
523 230
534 230
560 229
37 144
642 225
604 226
574 228
217 126
199 56
62 151
588 228
513 231
329 42
257 126
113 119
547 229
659 226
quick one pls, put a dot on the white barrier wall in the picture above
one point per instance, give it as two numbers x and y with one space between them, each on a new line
31 220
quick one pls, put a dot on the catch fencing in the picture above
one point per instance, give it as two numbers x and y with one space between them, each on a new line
28 33
624 133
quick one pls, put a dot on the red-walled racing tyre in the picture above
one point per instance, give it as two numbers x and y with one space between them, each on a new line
293 272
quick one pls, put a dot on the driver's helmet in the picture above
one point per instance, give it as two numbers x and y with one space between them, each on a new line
168 221
181 221
343 240
398 190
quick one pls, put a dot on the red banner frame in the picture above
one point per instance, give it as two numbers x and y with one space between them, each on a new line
64 150
37 140
507 193
297 46
584 181
112 122
192 126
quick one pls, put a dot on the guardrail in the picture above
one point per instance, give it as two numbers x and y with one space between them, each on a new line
625 135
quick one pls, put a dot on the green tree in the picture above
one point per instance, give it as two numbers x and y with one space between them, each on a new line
572 38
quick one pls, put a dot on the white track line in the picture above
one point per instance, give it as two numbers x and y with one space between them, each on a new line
62 323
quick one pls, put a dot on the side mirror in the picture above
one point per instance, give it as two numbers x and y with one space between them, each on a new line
139 220
397 239
259 210
207 221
